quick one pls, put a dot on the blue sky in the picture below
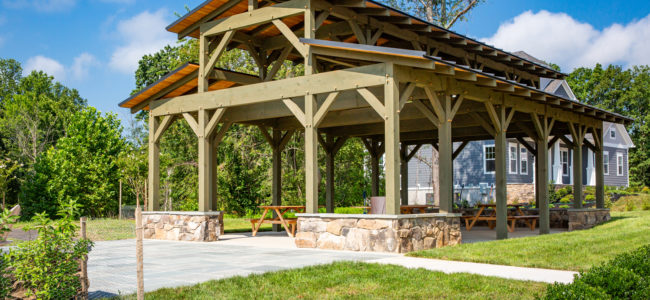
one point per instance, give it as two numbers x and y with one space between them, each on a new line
94 45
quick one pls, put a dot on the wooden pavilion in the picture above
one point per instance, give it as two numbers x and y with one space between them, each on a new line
371 72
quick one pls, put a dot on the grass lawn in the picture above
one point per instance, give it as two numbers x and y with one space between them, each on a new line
355 280
629 203
576 250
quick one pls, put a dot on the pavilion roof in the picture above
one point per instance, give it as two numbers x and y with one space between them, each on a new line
184 80
420 57
188 25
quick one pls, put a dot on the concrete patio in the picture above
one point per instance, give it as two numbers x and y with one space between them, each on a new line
111 265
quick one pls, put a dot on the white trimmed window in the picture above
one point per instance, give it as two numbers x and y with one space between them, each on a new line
564 159
612 132
489 156
619 164
605 162
523 160
513 158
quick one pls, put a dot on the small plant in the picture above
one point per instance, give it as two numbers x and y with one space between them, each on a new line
564 206
48 266
608 202
645 190
590 198
6 219
567 199
629 206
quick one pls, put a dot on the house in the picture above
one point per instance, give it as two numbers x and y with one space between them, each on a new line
474 165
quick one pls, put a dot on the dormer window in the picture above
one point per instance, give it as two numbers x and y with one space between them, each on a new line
612 133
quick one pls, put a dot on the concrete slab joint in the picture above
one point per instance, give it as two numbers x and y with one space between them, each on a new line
378 233
182 226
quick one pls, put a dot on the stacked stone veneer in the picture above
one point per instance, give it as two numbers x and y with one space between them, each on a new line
521 193
587 218
181 225
378 233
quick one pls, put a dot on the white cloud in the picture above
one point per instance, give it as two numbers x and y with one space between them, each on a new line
82 64
45 64
41 5
560 39
142 34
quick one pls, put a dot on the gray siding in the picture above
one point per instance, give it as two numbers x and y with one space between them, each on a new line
612 178
468 166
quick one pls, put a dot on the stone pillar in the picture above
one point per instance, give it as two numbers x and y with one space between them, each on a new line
391 142
154 166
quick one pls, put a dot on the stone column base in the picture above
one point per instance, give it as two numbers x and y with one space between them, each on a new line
585 218
378 233
182 225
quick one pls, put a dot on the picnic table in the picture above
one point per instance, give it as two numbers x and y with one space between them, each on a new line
279 210
410 209
491 218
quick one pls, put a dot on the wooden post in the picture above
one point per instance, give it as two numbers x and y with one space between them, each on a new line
445 161
84 261
578 133
276 185
404 192
600 169
119 211
311 156
154 166
138 252
205 162
391 142
500 148
543 129
501 121
329 181
331 147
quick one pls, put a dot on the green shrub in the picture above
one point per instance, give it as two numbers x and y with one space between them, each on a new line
48 266
5 283
564 206
629 206
6 219
590 198
608 202
575 291
567 199
348 210
645 190
624 277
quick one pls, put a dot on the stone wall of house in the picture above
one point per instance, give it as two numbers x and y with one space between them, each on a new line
182 226
378 233
521 193
587 218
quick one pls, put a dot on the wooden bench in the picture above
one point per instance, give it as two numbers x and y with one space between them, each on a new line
292 222
531 220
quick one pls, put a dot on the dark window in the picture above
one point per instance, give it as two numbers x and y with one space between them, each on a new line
488 159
